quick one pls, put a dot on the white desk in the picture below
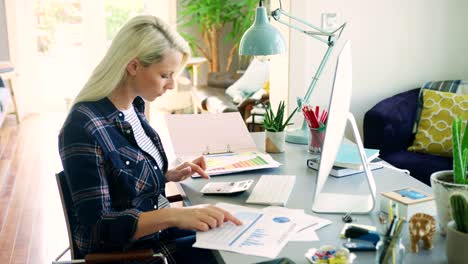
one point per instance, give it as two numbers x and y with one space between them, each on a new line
294 162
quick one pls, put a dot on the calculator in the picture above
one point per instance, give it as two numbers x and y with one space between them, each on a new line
226 187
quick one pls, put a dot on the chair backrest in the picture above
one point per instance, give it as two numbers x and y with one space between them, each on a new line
67 205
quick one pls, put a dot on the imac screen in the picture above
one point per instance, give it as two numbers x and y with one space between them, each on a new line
337 117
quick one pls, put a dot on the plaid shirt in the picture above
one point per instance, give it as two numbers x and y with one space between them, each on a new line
111 179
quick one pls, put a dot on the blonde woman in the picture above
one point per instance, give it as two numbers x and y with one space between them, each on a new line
114 162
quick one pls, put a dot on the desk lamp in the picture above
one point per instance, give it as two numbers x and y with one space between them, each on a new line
262 39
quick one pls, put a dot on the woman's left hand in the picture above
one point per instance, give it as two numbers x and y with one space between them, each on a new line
187 169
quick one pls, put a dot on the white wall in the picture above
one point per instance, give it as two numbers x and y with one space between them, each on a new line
94 33
279 70
22 43
4 49
396 46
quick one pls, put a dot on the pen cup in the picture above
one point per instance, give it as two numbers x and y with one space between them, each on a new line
390 250
316 139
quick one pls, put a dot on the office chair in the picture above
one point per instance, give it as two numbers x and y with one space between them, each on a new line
108 257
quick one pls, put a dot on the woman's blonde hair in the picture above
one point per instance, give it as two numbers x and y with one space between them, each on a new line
144 38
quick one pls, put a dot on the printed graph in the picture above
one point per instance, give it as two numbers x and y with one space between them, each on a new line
249 163
256 238
237 162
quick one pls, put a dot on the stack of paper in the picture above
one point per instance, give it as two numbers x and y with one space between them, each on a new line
222 138
263 233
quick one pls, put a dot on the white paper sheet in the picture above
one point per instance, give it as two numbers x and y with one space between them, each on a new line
237 162
306 225
262 233
306 235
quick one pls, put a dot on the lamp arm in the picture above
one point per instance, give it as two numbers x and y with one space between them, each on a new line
318 73
327 37
318 34
301 135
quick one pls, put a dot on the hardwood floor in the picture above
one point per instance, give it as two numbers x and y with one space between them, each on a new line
32 225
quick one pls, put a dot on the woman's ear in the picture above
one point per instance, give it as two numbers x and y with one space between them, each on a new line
132 67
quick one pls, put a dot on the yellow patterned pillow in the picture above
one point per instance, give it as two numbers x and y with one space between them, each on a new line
434 135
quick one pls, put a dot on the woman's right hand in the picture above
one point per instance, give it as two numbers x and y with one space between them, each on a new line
203 218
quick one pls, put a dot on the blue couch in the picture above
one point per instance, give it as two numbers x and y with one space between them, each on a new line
388 127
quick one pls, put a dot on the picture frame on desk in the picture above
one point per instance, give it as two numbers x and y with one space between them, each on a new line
408 196
406 202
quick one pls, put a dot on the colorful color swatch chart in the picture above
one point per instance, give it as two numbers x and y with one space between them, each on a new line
236 162
257 161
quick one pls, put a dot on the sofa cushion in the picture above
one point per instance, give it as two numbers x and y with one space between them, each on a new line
443 86
254 78
434 134
421 165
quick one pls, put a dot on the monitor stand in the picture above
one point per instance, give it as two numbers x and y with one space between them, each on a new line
349 203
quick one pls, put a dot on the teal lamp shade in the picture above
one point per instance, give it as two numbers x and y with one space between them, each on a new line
262 38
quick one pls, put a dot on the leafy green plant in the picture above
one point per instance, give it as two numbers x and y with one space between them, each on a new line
460 211
211 16
274 122
460 151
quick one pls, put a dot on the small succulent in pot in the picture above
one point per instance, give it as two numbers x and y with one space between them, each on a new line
274 122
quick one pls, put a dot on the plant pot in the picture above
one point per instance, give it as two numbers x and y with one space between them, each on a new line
456 245
274 141
443 186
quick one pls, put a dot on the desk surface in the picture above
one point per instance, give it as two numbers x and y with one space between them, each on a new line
294 162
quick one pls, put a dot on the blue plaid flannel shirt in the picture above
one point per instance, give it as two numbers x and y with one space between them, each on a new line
110 178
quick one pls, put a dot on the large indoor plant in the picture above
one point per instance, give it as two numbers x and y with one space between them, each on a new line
444 183
211 17
457 230
274 125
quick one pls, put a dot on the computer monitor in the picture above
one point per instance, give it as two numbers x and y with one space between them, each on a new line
338 116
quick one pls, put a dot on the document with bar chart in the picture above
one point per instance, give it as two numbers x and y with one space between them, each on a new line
261 234
223 139
236 162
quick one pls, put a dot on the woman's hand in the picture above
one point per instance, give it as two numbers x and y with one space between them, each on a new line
203 218
187 169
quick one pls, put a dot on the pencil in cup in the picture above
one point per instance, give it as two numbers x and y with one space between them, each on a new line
313 117
316 122
316 139
392 247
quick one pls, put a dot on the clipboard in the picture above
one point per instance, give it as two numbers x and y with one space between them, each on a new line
194 134
222 138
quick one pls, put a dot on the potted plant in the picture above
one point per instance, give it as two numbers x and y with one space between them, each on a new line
457 230
444 183
274 128
211 17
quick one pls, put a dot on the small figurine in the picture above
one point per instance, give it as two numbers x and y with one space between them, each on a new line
421 227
